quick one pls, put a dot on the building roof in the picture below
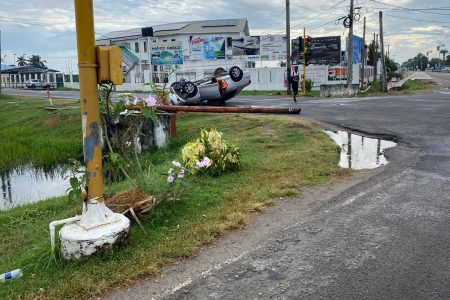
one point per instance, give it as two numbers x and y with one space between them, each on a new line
190 27
29 69
6 67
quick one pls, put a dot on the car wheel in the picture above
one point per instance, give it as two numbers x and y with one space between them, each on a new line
236 73
219 71
33 86
189 88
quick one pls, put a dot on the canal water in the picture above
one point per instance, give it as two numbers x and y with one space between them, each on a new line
29 185
359 152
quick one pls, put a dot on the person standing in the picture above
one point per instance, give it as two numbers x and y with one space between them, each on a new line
295 78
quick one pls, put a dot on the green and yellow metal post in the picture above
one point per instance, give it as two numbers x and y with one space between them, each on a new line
90 114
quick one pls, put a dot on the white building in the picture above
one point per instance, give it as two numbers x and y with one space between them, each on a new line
135 44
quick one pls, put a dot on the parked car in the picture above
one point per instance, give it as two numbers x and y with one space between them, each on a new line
38 84
209 89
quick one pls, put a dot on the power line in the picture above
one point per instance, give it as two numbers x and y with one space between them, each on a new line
421 20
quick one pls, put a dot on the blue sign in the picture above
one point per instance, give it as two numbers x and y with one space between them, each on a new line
357 49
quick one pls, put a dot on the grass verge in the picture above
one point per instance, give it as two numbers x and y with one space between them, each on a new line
279 155
32 135
409 87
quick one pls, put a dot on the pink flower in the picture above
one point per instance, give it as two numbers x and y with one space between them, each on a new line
150 101
204 163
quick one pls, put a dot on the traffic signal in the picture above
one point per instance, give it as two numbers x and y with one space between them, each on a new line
300 44
309 42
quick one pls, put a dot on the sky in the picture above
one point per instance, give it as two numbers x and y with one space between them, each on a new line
47 27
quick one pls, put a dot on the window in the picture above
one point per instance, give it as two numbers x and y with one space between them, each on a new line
173 40
164 40
136 47
145 46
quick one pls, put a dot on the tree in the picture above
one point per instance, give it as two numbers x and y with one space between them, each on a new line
21 61
444 53
36 60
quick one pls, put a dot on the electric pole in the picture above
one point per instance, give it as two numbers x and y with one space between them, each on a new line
363 54
350 49
383 65
288 47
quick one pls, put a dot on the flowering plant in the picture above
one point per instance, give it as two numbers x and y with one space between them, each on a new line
210 154
176 181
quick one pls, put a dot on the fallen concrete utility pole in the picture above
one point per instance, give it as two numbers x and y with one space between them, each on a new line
213 109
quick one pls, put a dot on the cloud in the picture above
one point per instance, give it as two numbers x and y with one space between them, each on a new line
47 27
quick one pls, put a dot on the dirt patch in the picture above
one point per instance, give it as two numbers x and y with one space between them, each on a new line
52 121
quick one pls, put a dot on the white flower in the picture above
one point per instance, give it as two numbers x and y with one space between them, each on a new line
170 179
176 164
181 173
170 171
204 163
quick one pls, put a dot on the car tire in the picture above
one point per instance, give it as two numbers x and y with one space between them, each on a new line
33 86
219 71
236 73
189 88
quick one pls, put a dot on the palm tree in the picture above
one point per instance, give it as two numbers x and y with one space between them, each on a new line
36 60
444 52
21 61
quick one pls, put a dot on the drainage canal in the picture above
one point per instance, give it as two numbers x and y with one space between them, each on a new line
29 185
359 152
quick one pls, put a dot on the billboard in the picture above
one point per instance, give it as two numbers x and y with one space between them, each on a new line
207 47
325 50
357 49
273 47
247 46
166 53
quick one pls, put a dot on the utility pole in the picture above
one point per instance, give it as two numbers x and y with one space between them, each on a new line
350 50
90 112
288 46
374 56
363 54
304 62
383 65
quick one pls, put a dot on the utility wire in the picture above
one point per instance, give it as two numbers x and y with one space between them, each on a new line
421 20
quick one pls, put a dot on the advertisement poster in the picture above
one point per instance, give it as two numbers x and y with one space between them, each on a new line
357 49
325 50
337 73
167 53
247 46
207 47
273 47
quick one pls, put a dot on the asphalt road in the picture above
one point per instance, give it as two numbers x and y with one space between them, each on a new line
384 234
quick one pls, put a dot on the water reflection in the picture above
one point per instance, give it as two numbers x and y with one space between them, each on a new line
29 185
359 152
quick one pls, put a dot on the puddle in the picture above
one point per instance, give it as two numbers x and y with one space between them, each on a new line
29 185
359 152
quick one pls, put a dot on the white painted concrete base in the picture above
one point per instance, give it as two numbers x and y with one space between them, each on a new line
77 242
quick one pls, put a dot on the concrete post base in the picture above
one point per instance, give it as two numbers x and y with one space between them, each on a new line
77 242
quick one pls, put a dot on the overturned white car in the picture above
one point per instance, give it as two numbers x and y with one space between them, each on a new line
216 90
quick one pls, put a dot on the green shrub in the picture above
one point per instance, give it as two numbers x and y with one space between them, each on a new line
210 154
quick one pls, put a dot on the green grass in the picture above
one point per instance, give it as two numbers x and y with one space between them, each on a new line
32 135
409 87
279 155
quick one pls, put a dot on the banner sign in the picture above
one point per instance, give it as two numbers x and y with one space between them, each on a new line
207 47
325 50
273 47
247 46
167 53
357 49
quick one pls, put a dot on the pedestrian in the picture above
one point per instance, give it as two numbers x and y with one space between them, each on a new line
294 79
